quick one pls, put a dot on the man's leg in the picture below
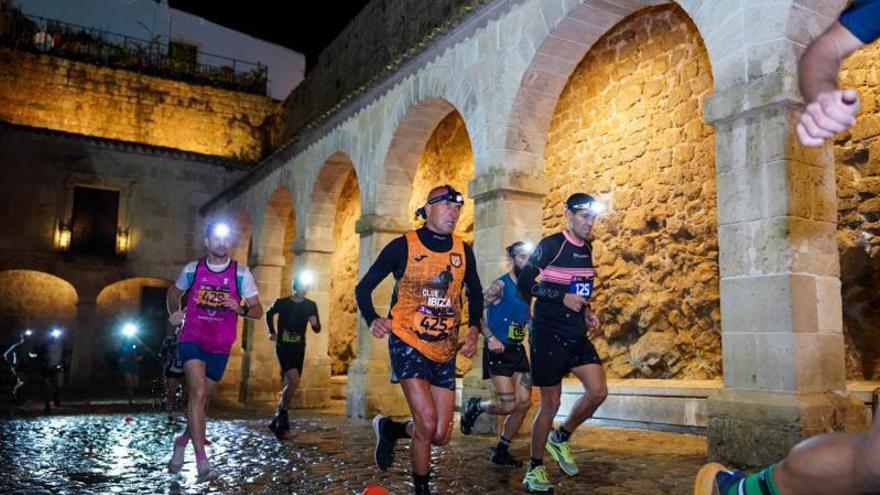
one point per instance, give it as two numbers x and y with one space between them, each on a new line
522 383
543 422
592 377
840 463
419 397
200 388
523 396
291 382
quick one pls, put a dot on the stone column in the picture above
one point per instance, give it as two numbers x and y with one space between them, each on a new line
782 339
83 341
507 207
314 388
369 387
260 379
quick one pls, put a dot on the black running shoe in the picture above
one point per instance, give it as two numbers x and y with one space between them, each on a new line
502 457
283 424
384 454
470 415
422 490
273 425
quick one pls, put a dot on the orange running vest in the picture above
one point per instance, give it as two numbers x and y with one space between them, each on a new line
427 312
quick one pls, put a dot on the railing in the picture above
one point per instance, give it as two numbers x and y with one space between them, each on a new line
155 58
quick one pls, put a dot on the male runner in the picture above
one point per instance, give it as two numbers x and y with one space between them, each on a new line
294 313
558 339
430 266
216 284
52 358
843 463
504 357
16 356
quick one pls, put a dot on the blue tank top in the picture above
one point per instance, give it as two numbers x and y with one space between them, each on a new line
508 319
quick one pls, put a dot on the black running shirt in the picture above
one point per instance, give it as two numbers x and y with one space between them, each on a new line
566 265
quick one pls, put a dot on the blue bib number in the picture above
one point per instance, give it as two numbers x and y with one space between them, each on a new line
581 286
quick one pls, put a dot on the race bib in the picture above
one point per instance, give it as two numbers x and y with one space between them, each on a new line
516 332
211 297
433 325
291 338
581 286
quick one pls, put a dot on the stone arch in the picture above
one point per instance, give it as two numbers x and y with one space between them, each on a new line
562 49
405 151
139 300
35 300
628 127
332 247
277 234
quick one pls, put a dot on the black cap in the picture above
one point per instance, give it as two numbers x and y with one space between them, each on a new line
579 201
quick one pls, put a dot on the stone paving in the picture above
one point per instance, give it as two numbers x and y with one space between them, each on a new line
327 454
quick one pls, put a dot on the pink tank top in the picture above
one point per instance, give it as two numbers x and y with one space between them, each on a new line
207 322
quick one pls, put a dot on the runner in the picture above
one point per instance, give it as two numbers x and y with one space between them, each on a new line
16 356
558 339
504 357
294 313
843 463
216 284
430 266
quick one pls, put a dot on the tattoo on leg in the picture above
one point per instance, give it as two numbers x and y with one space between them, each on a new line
525 379
507 397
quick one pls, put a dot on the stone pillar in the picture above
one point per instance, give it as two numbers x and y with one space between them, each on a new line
782 339
314 388
260 378
369 387
507 207
83 341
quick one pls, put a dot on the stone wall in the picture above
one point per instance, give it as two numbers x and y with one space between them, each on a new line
55 93
857 158
342 321
448 159
628 128
376 42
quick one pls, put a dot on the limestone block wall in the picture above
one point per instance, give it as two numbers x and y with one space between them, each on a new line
448 159
374 44
54 93
342 321
628 128
857 163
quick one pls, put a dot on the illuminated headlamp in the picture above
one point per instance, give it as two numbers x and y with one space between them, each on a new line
56 333
28 333
221 230
304 280
597 208
129 330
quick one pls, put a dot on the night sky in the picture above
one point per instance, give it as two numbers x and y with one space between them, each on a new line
304 26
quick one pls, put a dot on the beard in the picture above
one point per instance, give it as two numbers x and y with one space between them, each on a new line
517 270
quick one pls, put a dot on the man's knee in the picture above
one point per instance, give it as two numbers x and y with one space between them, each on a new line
442 435
550 403
523 405
424 428
598 396
199 394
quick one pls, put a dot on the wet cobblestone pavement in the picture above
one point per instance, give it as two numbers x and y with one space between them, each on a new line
327 454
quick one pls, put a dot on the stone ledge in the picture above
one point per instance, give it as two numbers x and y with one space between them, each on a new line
772 90
370 224
497 181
